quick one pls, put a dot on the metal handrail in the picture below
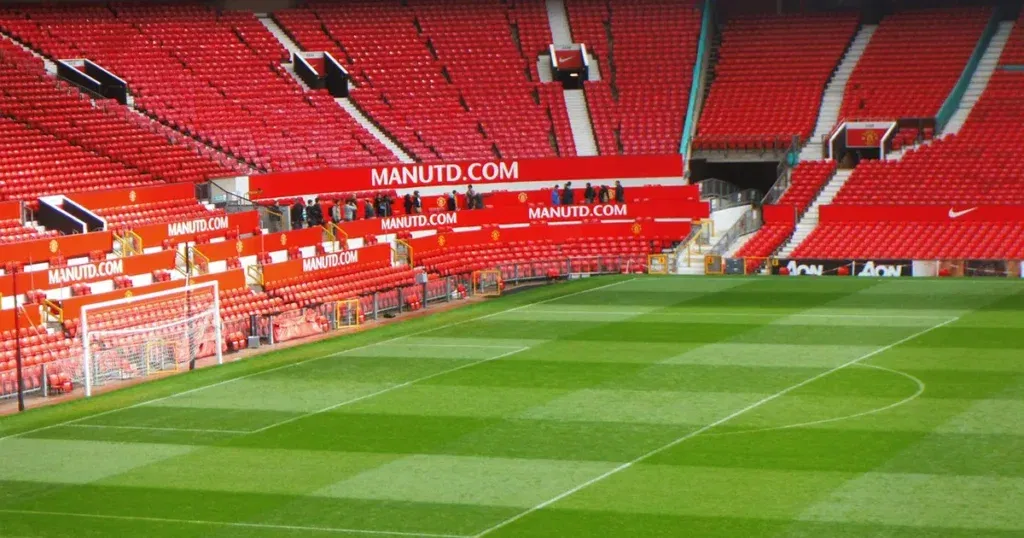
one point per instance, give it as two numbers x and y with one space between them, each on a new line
748 223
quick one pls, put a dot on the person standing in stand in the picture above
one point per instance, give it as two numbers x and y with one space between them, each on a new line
453 201
417 203
336 212
298 214
556 197
407 203
589 194
350 210
603 196
567 194
368 211
620 193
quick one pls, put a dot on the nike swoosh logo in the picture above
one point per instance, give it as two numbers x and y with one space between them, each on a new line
956 214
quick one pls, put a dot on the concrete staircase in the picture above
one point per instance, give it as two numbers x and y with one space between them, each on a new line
558 20
832 99
579 121
348 106
809 220
287 42
279 33
980 78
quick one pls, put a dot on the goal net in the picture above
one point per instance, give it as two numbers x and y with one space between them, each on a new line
487 283
141 335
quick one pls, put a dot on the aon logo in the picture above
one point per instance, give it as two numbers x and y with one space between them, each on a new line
805 269
873 269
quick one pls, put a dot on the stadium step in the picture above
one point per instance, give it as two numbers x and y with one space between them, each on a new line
579 122
809 220
282 36
348 106
980 78
832 100
48 64
558 20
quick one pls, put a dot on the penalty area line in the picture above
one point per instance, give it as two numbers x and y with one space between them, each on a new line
234 524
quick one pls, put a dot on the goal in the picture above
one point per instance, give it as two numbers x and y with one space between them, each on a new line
348 313
488 283
141 335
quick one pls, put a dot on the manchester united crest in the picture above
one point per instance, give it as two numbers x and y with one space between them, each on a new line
495 235
523 198
871 136
637 228
132 196
440 201
284 240
54 246
441 241
239 246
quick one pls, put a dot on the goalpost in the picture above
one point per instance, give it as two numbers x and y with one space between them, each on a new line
140 335
488 283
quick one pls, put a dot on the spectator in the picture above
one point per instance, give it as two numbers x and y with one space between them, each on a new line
417 203
556 197
620 193
336 212
298 214
314 217
470 198
368 210
453 201
589 194
350 211
385 205
604 196
567 195
407 203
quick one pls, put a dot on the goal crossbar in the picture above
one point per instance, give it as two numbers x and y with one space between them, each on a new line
211 310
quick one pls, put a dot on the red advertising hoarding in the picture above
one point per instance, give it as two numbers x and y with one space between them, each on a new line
524 213
555 170
69 246
276 272
256 244
59 277
135 196
72 306
182 231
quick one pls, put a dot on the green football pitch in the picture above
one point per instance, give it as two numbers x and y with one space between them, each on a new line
618 407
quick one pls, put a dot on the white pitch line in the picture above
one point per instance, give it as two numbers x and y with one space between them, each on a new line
703 429
268 526
735 314
153 428
317 358
920 390
387 390
464 346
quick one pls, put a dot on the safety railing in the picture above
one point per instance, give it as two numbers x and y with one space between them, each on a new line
748 223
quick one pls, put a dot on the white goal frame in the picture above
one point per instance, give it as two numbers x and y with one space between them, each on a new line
217 322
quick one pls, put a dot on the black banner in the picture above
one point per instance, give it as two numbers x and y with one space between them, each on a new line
860 268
